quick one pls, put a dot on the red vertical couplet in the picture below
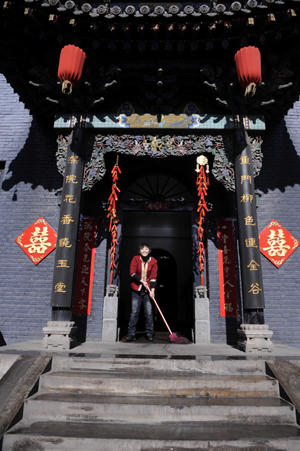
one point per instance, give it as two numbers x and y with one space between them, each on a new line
202 184
221 283
112 214
85 267
227 270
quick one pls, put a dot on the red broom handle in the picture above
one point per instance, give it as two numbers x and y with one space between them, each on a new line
164 319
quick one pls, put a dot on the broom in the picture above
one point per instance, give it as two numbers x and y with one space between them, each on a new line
173 337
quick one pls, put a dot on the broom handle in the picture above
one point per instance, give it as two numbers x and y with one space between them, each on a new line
164 319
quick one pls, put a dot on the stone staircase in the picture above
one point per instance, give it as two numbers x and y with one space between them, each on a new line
139 403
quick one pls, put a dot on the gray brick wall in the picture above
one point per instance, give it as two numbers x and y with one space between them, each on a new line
94 320
29 190
223 330
26 194
24 288
280 199
279 182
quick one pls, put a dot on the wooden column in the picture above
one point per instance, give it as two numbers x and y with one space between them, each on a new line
252 282
64 266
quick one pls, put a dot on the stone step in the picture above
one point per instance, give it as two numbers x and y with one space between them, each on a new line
110 436
151 409
159 383
160 363
6 362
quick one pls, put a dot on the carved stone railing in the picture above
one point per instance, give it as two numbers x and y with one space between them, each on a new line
255 338
202 316
59 335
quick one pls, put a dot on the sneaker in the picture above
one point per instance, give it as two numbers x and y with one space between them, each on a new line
150 337
131 338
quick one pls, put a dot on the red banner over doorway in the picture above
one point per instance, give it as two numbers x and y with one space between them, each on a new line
85 267
227 271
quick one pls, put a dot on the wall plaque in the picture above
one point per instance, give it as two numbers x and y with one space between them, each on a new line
276 243
37 241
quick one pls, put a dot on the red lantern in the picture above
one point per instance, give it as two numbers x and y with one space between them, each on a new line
248 65
70 67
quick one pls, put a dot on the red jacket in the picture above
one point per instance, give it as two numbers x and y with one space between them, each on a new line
136 270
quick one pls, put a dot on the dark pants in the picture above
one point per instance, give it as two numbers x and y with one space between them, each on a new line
139 297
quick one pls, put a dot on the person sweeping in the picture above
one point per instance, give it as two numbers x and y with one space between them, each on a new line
143 272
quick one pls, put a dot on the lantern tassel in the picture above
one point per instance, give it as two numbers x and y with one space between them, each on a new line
66 87
202 280
250 90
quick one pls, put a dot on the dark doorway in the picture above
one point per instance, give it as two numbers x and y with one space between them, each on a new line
166 289
169 233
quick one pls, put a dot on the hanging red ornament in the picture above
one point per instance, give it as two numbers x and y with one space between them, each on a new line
112 214
70 67
202 184
248 66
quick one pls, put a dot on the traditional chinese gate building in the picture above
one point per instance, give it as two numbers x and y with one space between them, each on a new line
158 89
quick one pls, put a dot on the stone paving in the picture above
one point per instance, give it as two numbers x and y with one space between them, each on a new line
214 351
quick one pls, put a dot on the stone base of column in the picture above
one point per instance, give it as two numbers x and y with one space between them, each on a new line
255 338
59 335
202 316
110 314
